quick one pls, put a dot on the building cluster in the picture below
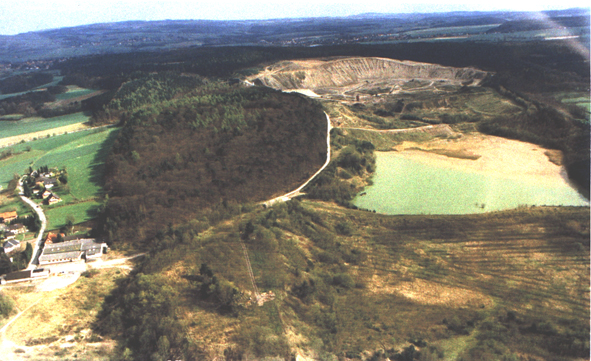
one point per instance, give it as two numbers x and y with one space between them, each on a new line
41 184
9 230
57 248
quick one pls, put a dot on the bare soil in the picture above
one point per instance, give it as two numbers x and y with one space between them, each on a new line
489 154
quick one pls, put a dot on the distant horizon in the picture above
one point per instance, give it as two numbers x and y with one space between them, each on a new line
38 15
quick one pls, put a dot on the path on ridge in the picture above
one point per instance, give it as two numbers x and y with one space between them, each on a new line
284 198
297 192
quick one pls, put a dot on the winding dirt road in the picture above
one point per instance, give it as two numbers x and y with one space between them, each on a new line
297 192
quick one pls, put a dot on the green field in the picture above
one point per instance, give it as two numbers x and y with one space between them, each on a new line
57 216
36 124
407 186
579 99
56 80
82 153
74 92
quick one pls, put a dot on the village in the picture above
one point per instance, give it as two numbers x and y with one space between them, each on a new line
28 251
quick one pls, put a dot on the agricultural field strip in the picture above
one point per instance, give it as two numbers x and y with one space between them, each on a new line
68 129
86 193
36 124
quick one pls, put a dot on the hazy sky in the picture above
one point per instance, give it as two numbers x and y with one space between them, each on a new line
30 15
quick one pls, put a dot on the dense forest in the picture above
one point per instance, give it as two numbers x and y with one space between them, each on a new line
216 145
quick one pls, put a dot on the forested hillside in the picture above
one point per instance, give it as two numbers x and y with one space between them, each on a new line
213 146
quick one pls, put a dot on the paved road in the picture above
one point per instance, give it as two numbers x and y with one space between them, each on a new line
37 208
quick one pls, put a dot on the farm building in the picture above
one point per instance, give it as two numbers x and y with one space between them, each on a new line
10 245
71 251
8 217
16 228
26 275
47 182
53 237
52 199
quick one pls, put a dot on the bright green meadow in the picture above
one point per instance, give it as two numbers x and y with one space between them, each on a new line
406 186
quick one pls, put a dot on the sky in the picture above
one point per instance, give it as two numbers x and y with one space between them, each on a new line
32 15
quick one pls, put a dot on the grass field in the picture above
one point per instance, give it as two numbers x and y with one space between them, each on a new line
30 125
578 98
74 92
58 214
83 154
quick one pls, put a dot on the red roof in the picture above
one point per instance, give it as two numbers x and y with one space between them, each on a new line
9 215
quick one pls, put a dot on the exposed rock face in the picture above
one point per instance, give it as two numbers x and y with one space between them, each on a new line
318 74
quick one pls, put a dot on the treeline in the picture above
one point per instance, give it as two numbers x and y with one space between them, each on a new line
28 104
174 159
24 82
354 158
531 66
